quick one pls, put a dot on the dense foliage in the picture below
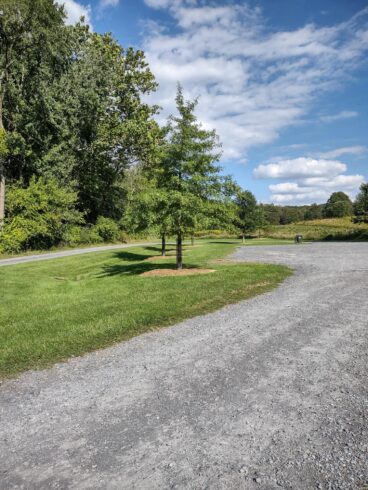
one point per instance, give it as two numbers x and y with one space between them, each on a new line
338 206
38 216
361 205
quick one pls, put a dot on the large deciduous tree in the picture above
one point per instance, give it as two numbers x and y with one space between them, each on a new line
31 54
111 127
71 105
338 205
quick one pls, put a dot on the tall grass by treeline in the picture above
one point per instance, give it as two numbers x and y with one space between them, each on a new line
323 229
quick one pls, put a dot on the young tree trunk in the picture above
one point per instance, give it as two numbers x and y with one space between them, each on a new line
243 238
163 245
2 172
2 197
192 240
179 252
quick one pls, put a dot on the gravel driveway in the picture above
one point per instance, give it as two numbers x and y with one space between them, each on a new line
270 393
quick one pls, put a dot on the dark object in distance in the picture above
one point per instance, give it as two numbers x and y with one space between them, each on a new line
298 239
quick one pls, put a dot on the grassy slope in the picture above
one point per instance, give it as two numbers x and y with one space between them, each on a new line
53 310
338 228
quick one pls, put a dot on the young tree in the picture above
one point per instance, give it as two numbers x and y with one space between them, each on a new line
187 174
338 206
3 154
246 218
361 204
260 219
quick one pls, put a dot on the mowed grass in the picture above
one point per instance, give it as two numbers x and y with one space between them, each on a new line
53 310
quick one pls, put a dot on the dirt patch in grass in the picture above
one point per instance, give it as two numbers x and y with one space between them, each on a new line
174 272
225 262
159 257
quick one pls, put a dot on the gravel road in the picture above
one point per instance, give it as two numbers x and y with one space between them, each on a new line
266 394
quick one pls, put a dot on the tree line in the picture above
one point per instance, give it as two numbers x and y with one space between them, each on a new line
82 158
338 205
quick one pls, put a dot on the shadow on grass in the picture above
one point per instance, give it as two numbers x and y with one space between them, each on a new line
158 248
132 256
126 269
137 257
355 235
132 269
137 269
140 264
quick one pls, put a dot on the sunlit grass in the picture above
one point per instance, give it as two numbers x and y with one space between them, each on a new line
56 309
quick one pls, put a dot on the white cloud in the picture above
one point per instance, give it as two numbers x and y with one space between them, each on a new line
108 3
346 150
339 182
173 4
298 168
318 190
300 198
311 180
252 82
339 116
75 11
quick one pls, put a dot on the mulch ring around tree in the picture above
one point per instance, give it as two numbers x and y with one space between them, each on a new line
174 272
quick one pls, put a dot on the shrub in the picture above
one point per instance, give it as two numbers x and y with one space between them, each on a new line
107 229
38 216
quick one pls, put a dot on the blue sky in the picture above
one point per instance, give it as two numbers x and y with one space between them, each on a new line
284 83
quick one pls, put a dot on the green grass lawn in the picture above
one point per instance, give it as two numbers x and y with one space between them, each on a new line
56 309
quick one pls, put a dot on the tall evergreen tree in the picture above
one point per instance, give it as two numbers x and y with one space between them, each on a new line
188 175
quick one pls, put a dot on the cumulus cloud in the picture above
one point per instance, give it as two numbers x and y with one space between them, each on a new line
299 167
311 179
339 116
75 11
252 82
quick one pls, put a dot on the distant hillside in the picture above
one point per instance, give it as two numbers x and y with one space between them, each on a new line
322 229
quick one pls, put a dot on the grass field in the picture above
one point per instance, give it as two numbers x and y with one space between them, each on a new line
324 229
52 310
